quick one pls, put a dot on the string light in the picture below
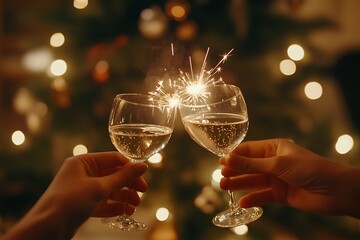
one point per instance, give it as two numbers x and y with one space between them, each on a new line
162 214
80 4
344 144
287 67
101 71
295 52
187 30
58 67
313 90
153 23
57 39
18 137
80 149
23 101
178 10
59 84
37 60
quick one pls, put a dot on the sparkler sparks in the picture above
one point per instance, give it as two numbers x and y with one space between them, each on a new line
189 88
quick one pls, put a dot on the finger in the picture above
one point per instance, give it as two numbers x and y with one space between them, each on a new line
126 195
113 209
242 164
259 149
257 198
127 175
245 182
229 172
139 184
104 160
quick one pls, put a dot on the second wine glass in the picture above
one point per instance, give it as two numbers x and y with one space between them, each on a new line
217 119
140 126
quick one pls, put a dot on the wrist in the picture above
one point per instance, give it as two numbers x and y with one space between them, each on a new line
43 221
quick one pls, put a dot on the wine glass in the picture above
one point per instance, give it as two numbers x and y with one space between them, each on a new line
140 125
217 120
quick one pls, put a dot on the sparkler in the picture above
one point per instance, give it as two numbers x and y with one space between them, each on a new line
188 87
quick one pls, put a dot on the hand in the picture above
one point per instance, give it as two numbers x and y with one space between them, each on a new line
281 172
82 188
92 181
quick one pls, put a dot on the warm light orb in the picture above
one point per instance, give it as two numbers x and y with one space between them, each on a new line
216 175
33 122
344 144
57 39
240 230
18 137
178 11
58 67
37 60
80 149
59 84
80 4
147 14
187 30
152 22
287 67
162 214
313 90
295 52
156 158
23 101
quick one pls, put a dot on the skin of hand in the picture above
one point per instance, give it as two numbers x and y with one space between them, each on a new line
279 171
82 188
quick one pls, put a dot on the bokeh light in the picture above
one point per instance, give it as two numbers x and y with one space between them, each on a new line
344 144
58 67
313 90
156 158
59 84
216 175
162 214
101 71
37 60
287 67
177 10
153 23
240 230
57 39
23 101
80 149
18 137
187 30
295 52
80 4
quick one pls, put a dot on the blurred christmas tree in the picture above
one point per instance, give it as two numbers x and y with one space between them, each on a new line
59 96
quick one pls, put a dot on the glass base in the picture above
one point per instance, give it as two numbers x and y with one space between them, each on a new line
124 223
237 217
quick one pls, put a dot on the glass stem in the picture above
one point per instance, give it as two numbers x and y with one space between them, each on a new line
232 201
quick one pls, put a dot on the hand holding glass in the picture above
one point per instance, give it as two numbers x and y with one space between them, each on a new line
218 121
139 127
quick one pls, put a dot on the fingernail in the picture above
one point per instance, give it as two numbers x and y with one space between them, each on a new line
223 160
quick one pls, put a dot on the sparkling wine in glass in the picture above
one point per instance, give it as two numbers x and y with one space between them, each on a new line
217 120
140 126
